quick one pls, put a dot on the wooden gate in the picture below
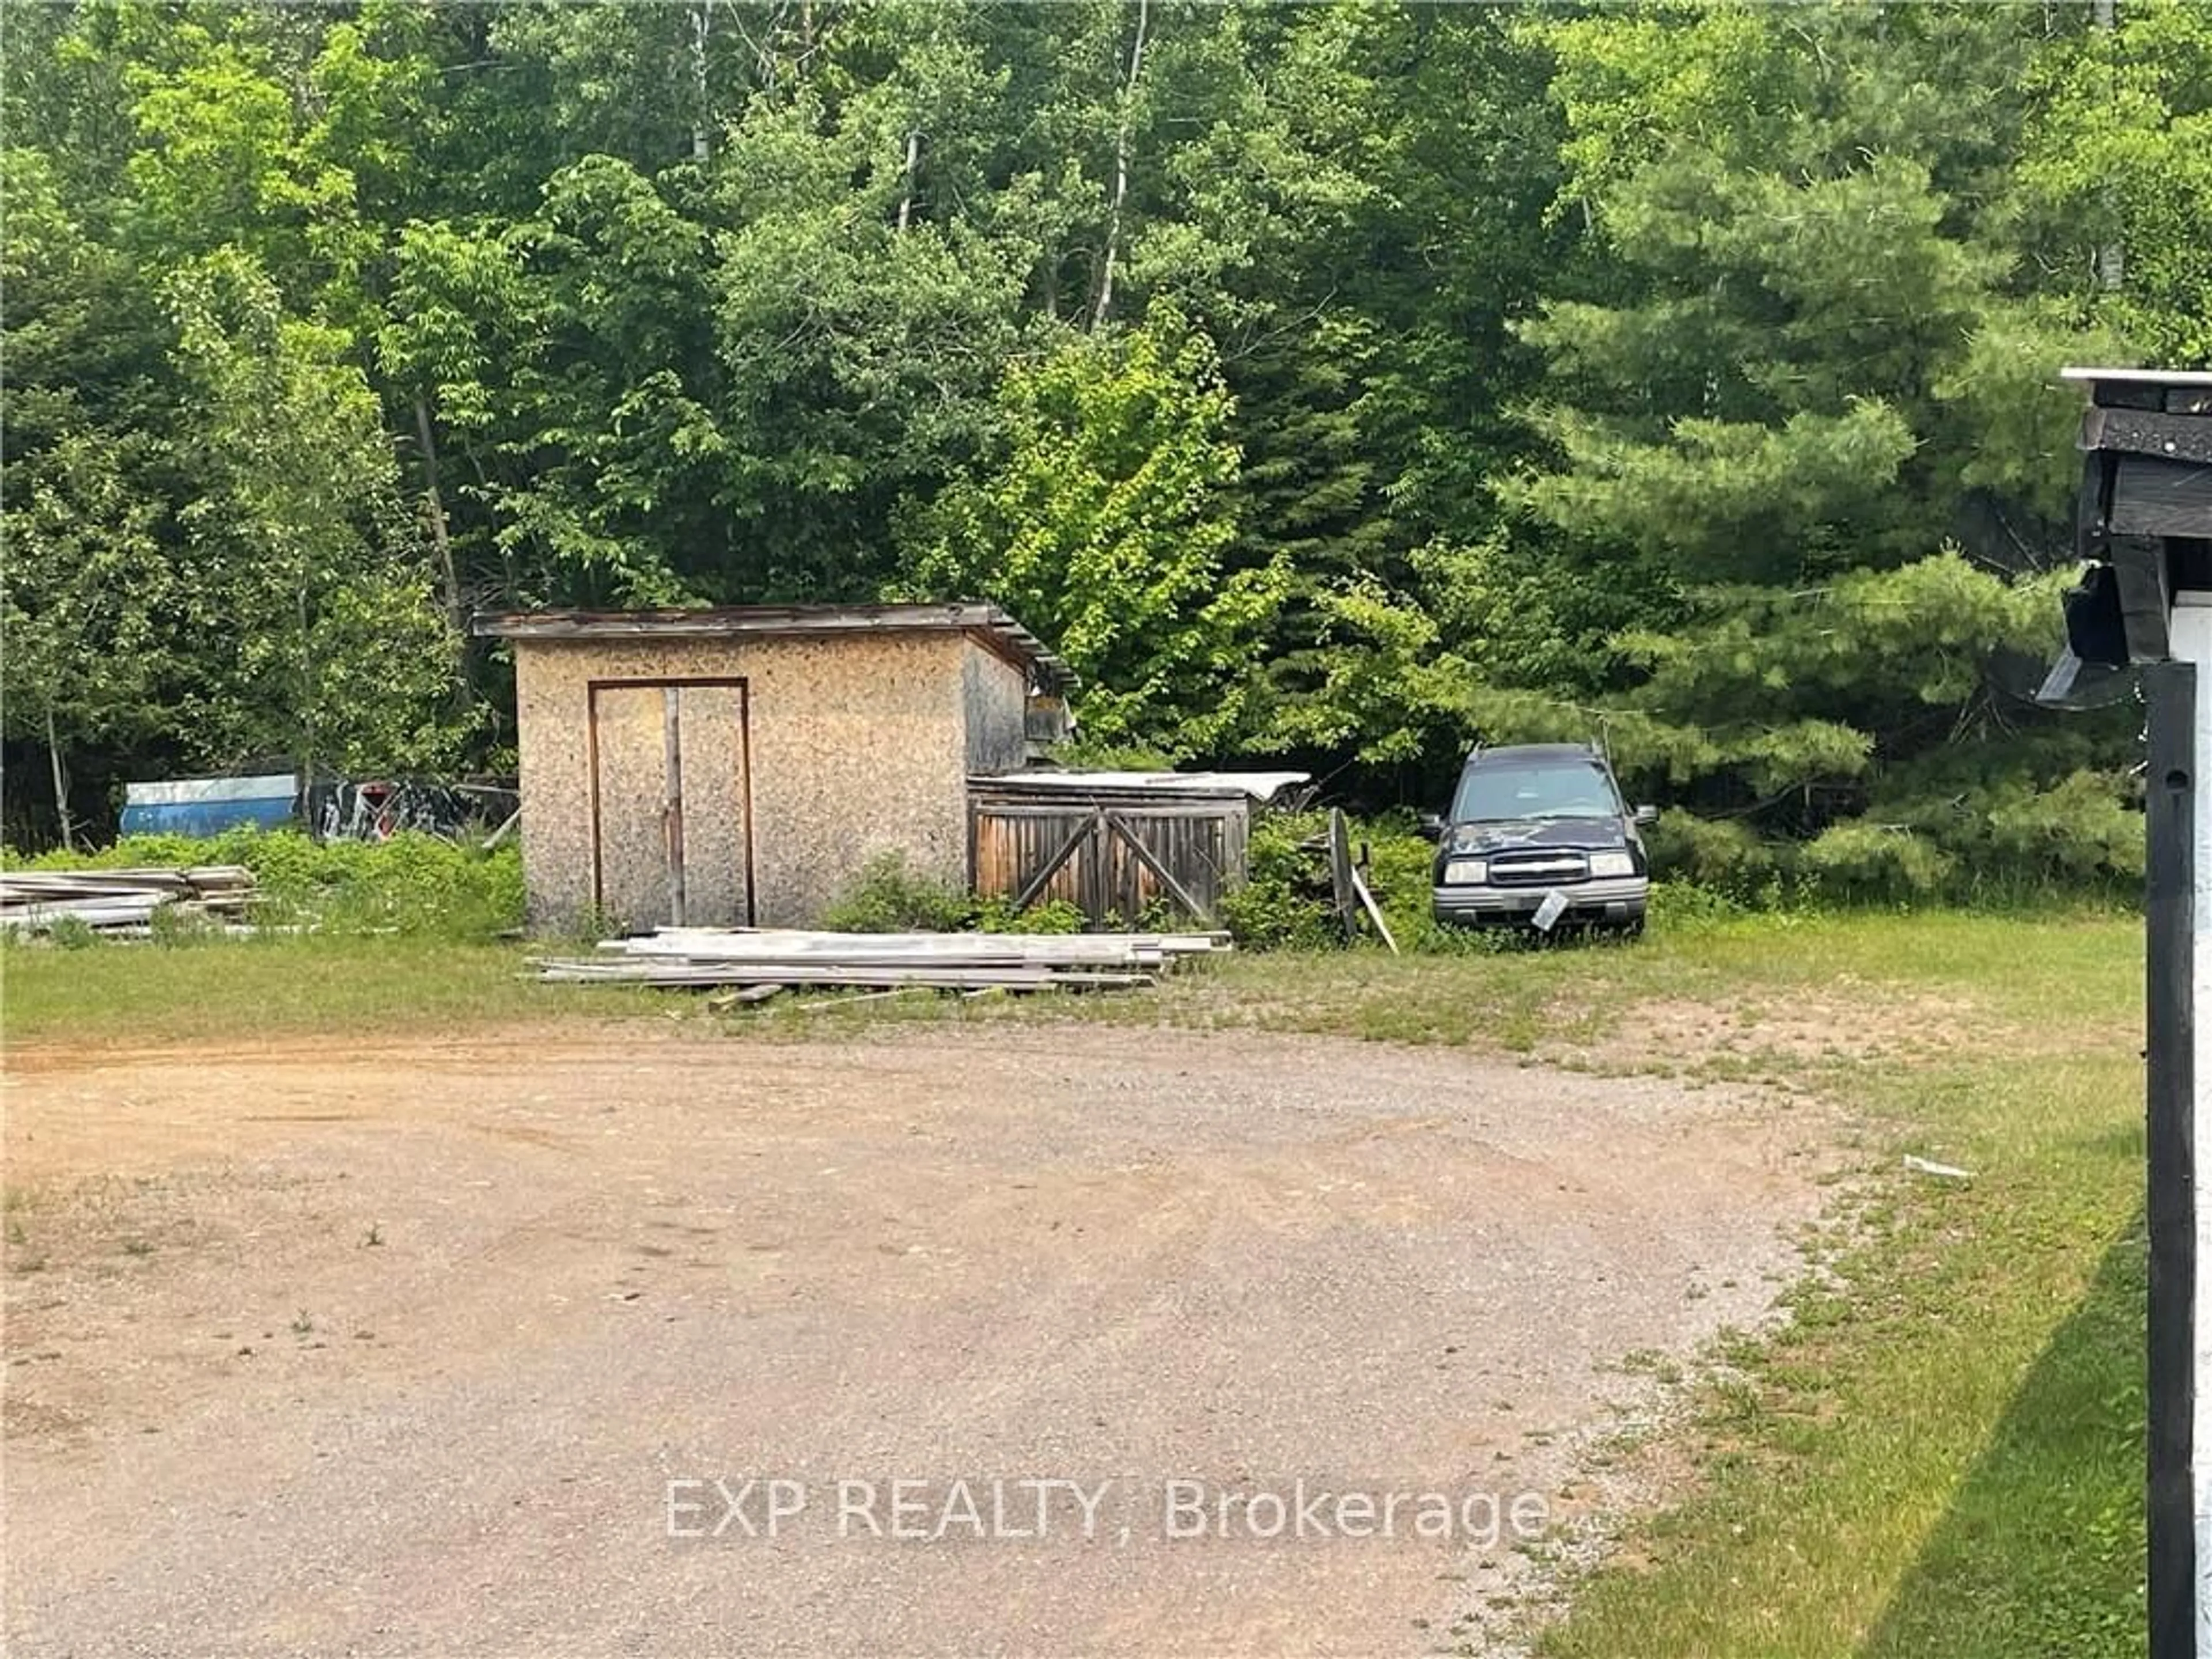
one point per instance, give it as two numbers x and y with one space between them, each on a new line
1117 856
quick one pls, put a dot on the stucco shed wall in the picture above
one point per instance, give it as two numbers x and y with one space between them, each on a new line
860 745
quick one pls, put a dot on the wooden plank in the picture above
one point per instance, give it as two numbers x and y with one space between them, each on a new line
818 1004
1340 871
1036 883
1374 910
2093 505
1175 891
910 947
676 975
2156 497
750 995
2139 568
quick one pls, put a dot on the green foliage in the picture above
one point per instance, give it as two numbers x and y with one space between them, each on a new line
888 896
1105 526
1335 383
2002 842
410 884
2116 178
1285 904
998 915
1808 365
1086 753
1280 906
1687 907
1872 860
172 928
71 933
1721 856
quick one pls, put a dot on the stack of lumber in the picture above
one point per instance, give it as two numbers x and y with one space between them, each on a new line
953 961
113 901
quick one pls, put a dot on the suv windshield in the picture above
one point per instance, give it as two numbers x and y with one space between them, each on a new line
1565 789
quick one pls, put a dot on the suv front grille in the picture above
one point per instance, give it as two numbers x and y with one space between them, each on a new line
1538 869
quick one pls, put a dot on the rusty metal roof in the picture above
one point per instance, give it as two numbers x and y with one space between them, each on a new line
990 625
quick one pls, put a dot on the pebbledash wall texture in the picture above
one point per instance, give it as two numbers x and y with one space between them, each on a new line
741 767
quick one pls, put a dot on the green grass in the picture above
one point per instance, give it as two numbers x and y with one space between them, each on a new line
283 986
1939 1455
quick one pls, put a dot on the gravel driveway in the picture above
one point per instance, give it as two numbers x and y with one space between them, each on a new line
1028 1337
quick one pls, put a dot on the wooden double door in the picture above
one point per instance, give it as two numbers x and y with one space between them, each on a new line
672 803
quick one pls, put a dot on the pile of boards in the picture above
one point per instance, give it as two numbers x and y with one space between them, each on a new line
793 959
121 900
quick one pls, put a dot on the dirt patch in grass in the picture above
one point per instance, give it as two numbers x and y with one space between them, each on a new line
1846 1022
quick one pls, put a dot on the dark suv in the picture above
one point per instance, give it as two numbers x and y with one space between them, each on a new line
1539 835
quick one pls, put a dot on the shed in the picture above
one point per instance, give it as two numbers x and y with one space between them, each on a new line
739 766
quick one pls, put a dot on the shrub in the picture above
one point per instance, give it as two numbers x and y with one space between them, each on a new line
998 915
889 898
1684 904
1286 902
69 933
1721 855
1862 861
1280 906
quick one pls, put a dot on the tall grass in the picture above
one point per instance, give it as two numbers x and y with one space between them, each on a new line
413 883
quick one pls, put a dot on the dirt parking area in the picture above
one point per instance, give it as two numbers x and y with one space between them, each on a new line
439 1347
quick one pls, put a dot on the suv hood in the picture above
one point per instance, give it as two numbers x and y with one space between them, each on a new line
1511 834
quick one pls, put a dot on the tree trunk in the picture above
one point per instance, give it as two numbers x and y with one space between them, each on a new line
435 497
309 707
1121 167
61 786
703 18
913 159
2112 257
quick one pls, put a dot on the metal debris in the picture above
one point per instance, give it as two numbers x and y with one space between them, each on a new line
1942 1171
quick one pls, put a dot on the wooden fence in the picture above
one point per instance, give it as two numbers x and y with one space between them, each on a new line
1118 855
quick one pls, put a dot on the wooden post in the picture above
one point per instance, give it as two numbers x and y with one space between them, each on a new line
2141 524
2174 1492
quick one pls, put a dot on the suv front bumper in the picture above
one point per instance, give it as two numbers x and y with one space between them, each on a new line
1612 902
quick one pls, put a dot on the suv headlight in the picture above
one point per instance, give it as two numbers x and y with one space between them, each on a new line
1612 864
1471 872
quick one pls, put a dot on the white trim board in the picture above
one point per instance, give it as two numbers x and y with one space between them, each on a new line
2191 641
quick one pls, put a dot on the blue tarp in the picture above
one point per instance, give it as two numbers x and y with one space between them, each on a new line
207 806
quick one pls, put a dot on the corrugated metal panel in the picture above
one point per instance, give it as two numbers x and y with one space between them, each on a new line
1260 785
1114 858
189 791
